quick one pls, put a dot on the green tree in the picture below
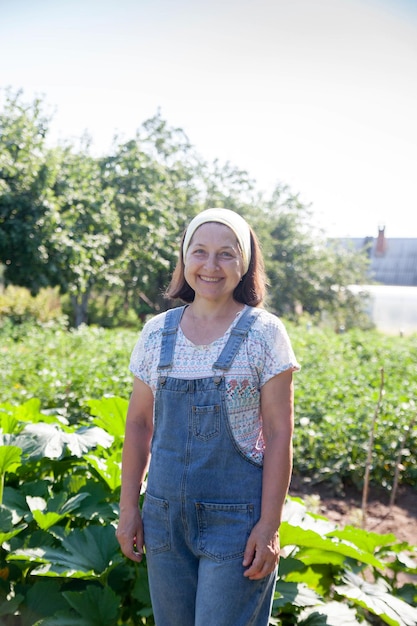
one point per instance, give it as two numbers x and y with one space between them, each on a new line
153 181
27 170
86 231
225 185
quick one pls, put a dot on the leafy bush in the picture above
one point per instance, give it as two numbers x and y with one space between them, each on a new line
17 305
63 367
59 559
60 562
337 393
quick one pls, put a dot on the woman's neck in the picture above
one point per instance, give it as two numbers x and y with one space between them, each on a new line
207 311
202 324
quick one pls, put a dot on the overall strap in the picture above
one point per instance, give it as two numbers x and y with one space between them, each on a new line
237 335
172 320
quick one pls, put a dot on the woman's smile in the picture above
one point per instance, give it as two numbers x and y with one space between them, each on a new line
210 279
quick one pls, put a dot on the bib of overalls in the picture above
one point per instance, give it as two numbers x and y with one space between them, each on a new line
195 458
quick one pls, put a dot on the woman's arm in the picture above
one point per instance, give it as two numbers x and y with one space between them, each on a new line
277 409
135 460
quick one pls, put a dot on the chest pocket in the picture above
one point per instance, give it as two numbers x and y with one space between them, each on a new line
206 421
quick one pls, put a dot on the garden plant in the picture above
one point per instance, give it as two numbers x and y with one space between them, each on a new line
63 402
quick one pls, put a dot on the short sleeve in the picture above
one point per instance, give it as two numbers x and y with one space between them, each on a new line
270 348
145 354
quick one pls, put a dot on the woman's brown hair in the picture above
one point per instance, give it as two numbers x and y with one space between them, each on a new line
250 290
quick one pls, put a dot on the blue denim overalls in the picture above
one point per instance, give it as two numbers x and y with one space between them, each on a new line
203 498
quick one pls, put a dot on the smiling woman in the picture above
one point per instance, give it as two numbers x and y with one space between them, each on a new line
213 399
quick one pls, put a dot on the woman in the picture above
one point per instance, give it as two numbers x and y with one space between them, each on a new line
213 401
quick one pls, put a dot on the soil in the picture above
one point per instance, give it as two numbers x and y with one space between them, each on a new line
344 507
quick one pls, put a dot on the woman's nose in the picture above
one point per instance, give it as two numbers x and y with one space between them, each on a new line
211 261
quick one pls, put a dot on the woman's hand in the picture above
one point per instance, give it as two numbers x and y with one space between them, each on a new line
262 552
129 534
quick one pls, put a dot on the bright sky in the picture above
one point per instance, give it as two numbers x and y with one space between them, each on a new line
321 96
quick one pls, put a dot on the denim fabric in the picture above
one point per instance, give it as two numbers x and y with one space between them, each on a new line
203 498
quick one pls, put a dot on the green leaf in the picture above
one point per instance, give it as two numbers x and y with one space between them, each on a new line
85 553
64 618
364 539
110 414
140 590
15 501
43 599
293 535
99 505
10 458
294 594
108 468
289 564
378 599
49 440
97 606
330 614
313 556
9 524
8 422
49 514
11 606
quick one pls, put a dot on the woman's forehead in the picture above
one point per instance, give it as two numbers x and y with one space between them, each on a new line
213 231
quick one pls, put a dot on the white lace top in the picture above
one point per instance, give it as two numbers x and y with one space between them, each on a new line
265 352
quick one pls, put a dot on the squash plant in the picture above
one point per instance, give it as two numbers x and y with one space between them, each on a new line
60 563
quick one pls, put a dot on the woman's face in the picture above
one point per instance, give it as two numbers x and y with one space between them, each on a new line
213 263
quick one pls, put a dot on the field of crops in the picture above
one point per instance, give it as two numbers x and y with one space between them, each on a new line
62 408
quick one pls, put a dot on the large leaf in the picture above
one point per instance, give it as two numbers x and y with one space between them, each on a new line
364 539
97 606
47 514
378 599
10 458
97 506
43 598
108 468
295 536
13 417
85 553
110 414
14 500
93 607
8 421
9 524
296 514
49 440
140 590
294 594
330 614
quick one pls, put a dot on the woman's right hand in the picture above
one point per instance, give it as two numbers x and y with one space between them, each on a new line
129 534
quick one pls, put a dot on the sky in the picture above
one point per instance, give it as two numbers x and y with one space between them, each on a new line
317 95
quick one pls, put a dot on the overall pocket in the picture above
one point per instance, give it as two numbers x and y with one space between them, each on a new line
206 421
156 527
223 529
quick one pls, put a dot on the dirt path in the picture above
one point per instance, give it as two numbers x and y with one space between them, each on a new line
346 508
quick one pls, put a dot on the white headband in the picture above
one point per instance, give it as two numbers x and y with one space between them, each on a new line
229 218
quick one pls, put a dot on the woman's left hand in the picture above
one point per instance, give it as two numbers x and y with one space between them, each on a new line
262 552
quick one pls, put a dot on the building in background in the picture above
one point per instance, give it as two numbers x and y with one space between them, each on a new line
393 281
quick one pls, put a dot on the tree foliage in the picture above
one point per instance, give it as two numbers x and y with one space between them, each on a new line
110 226
26 174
